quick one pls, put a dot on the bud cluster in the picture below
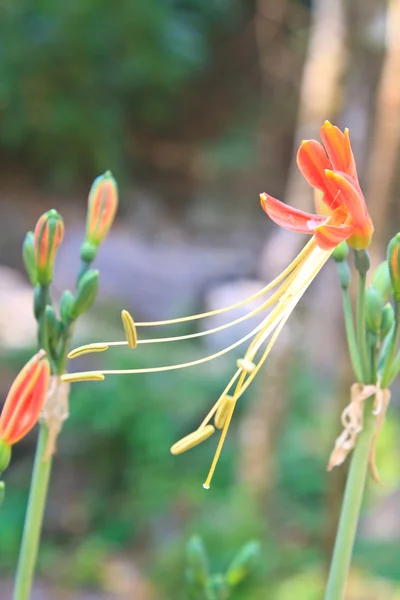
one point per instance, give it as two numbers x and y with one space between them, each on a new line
27 395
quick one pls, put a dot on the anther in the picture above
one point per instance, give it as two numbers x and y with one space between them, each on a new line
130 328
87 349
86 376
193 439
224 409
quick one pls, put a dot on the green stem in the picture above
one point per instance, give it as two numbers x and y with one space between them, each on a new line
33 520
351 335
353 495
361 333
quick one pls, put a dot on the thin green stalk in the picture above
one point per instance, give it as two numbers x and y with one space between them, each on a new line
361 333
33 520
36 505
351 335
351 506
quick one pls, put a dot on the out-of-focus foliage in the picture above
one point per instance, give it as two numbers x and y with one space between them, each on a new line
116 488
75 77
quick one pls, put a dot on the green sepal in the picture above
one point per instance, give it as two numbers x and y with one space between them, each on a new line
341 252
381 280
86 294
2 492
387 320
5 455
66 305
244 563
373 309
385 351
197 570
28 255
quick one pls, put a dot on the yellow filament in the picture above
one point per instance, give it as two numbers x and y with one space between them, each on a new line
261 326
223 411
280 326
86 349
130 329
206 484
84 376
193 439
275 296
305 252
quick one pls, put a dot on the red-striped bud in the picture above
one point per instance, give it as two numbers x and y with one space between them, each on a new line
25 400
49 232
102 206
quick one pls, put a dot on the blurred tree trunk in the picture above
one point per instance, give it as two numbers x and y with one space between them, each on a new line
383 158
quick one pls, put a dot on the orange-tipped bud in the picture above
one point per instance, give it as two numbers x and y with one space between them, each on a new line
102 206
393 257
25 400
49 232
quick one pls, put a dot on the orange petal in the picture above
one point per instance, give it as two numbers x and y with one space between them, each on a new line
328 237
350 195
338 148
288 217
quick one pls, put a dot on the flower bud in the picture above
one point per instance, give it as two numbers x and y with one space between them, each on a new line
393 256
197 562
86 294
52 328
381 280
373 309
341 252
66 305
344 273
244 563
49 232
25 400
387 320
102 206
28 255
5 455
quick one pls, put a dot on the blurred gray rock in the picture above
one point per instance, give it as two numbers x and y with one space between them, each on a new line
17 323
224 295
155 279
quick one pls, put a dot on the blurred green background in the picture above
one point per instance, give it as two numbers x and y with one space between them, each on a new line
196 106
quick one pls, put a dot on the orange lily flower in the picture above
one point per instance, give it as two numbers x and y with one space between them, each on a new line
25 400
331 170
